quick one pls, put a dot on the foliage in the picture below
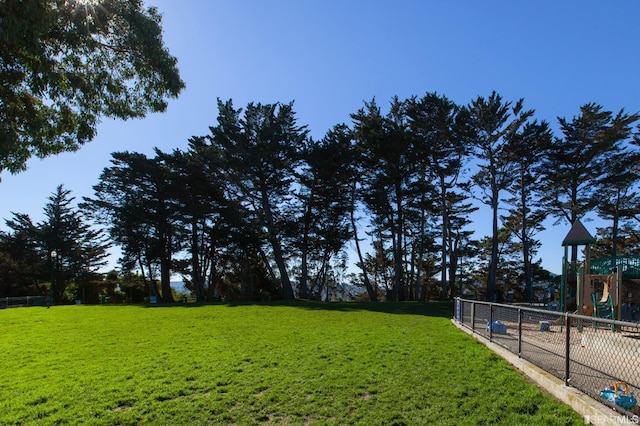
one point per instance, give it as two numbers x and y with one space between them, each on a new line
443 134
260 149
495 123
66 64
617 199
136 200
388 173
526 213
258 210
574 163
326 179
63 250
302 363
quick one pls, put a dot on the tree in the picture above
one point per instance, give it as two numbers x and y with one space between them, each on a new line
572 165
205 211
66 64
458 212
525 213
386 152
136 199
260 151
495 122
326 179
24 267
372 292
76 249
628 241
617 199
509 265
63 248
442 133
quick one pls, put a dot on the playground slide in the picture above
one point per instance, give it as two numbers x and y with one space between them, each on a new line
605 290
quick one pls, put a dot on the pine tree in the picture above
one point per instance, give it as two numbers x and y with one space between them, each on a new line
495 122
442 143
525 212
573 165
260 152
136 199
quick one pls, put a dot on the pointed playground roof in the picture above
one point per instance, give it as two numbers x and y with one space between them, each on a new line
578 235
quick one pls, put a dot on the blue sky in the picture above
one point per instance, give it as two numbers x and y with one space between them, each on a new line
329 56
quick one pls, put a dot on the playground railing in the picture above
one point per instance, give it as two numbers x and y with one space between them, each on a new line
604 266
588 353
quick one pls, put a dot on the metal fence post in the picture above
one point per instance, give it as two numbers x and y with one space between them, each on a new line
490 321
567 340
519 333
473 317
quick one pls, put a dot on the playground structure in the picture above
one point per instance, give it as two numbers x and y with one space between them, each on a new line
598 287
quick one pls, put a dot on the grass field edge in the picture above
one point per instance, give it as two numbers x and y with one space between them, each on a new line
592 411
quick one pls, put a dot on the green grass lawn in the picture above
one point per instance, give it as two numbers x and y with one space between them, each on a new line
297 363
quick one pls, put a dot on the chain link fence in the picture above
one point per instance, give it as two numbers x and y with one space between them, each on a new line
588 353
14 302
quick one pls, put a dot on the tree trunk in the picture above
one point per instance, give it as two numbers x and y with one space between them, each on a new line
445 226
493 263
453 265
165 281
526 256
196 274
367 283
398 267
165 269
304 252
287 289
211 279
153 288
614 228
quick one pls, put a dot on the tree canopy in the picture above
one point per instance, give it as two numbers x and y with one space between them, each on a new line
66 64
259 210
63 250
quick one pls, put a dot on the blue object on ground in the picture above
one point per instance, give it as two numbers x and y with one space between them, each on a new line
619 394
497 327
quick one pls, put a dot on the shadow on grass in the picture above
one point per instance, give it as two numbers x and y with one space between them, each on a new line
431 309
442 309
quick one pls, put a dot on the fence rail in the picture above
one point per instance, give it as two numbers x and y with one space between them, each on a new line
588 353
14 302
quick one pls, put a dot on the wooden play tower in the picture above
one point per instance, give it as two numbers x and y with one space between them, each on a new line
594 290
577 236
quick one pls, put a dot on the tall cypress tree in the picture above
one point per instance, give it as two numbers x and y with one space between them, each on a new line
442 135
495 122
574 164
618 199
260 151
136 199
525 212
326 180
64 248
388 170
